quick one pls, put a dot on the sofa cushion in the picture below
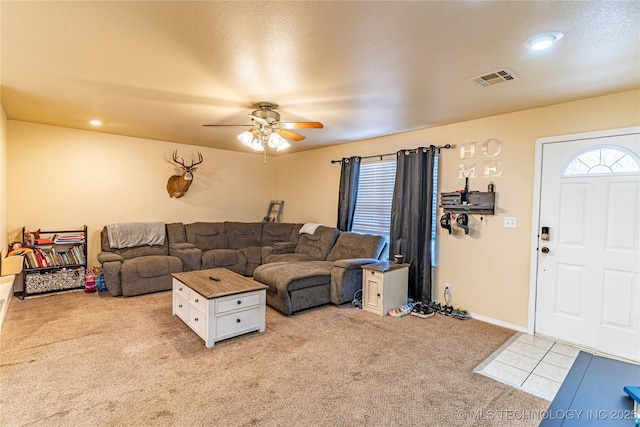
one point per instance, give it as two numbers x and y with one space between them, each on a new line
176 233
319 244
151 266
243 234
286 277
142 275
253 254
207 235
231 259
354 245
273 232
148 266
219 258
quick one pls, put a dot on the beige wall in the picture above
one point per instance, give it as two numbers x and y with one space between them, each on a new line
489 268
3 183
3 165
62 178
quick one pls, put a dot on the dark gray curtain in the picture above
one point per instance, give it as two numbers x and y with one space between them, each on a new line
349 175
411 212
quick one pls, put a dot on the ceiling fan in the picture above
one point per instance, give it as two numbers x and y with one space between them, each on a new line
267 129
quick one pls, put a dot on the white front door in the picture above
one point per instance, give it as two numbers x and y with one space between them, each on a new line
588 285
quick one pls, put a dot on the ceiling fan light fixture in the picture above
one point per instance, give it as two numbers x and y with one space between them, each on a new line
283 146
544 40
246 138
276 141
257 145
267 128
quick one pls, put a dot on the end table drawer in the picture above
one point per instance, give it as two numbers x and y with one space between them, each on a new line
224 305
235 323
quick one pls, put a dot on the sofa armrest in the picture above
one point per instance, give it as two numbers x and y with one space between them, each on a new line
190 255
277 248
285 247
112 277
104 257
346 278
354 263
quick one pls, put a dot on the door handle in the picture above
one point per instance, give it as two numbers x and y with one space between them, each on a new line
544 250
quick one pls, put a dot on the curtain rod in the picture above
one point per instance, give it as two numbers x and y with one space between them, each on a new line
446 146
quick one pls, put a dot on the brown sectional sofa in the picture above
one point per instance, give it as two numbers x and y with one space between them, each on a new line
324 267
301 270
237 246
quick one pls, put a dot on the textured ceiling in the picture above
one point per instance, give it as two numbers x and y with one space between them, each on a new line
161 70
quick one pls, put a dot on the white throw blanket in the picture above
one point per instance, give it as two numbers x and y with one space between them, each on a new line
309 228
130 234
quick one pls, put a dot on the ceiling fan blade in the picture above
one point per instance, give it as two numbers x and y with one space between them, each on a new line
301 125
227 125
291 135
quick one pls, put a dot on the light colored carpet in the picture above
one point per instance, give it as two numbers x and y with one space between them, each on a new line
90 359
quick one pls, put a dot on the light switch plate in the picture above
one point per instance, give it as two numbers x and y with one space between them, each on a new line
510 222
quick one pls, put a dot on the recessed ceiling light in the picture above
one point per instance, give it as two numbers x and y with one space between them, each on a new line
95 122
544 40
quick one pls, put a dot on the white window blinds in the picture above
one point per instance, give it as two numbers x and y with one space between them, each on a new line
375 193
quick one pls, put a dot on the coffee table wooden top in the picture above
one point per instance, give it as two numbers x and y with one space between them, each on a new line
230 283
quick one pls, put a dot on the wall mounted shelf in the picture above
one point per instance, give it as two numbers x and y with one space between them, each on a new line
477 202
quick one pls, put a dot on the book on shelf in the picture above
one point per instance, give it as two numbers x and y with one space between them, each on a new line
43 258
30 258
69 238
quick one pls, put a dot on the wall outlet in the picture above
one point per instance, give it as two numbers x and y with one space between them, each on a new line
510 222
447 289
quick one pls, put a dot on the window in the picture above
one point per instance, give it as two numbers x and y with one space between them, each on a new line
375 194
602 160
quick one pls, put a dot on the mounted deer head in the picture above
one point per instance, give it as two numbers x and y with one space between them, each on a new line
178 185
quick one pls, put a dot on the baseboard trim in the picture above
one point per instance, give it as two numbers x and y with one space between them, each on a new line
6 292
497 322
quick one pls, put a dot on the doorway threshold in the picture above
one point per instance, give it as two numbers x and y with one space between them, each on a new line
532 364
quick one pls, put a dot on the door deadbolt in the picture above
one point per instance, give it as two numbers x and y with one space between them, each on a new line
545 250
544 235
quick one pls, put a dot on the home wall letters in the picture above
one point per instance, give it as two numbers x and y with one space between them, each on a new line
491 166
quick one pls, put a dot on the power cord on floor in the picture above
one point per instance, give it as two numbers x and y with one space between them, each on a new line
357 300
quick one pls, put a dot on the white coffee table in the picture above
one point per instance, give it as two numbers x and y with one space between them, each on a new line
217 310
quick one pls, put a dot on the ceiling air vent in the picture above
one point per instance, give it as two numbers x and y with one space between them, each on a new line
499 76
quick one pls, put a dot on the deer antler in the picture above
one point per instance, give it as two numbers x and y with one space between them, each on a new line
200 160
181 161
175 159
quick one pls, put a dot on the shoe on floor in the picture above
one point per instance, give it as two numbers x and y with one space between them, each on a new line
435 306
426 312
416 309
403 310
460 314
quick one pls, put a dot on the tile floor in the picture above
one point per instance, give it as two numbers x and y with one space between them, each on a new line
532 364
